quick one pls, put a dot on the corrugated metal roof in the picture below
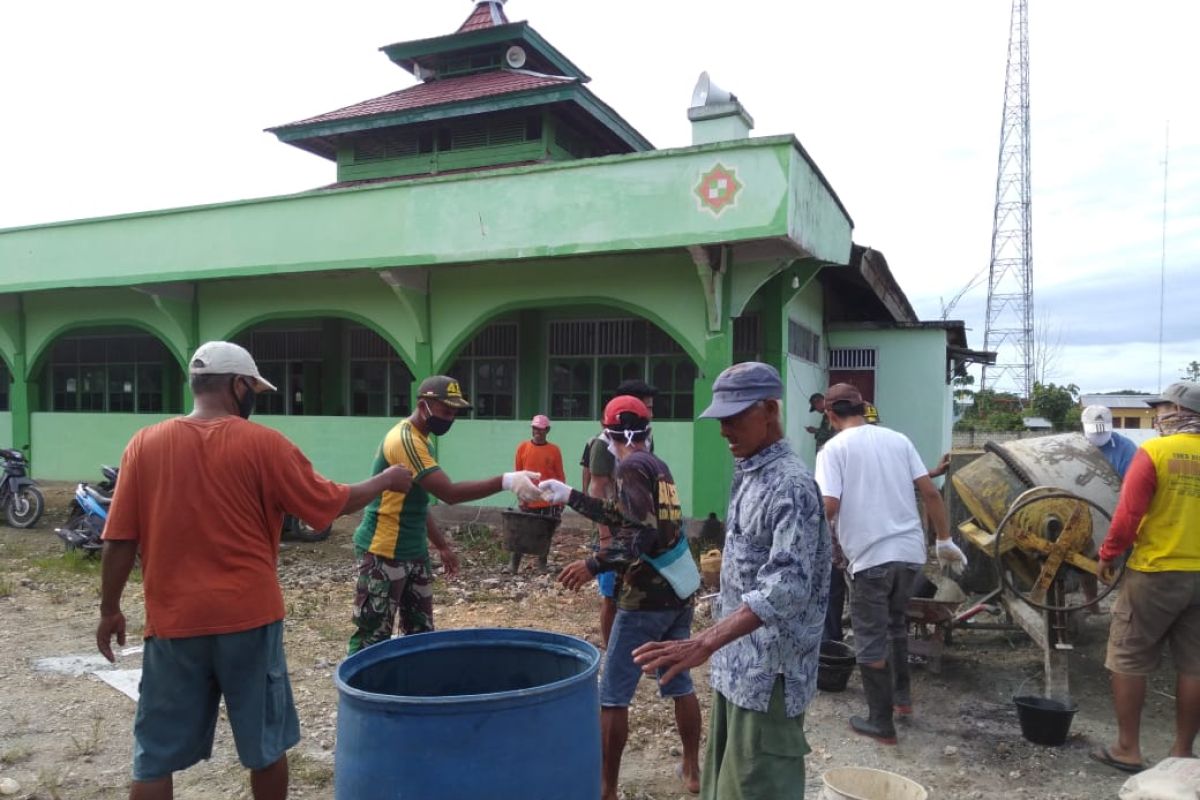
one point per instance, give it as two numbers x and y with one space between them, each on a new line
1116 400
439 92
487 14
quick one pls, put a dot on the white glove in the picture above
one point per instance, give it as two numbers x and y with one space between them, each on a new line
553 491
522 483
950 556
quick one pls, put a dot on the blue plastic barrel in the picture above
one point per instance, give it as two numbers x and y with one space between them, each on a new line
474 714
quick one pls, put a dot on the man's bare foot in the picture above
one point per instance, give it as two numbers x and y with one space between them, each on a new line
690 778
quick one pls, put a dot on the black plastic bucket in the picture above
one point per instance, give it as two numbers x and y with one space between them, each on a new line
835 666
1044 721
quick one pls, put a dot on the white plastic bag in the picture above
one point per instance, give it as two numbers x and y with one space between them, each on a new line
1169 779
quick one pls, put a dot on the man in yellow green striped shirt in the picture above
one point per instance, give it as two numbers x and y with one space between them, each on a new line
392 541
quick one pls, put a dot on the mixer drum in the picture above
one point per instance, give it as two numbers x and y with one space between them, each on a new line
990 484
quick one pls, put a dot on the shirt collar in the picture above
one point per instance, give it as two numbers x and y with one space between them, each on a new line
764 456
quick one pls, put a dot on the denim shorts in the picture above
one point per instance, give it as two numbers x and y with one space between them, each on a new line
607 581
631 630
183 681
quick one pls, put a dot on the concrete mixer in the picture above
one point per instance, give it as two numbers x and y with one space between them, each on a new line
1040 508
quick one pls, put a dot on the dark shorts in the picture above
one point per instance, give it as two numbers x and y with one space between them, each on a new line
1155 608
631 630
183 681
879 606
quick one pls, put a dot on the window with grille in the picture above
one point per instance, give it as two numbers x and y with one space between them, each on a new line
486 370
588 360
803 342
380 381
291 360
852 358
113 374
747 338
5 386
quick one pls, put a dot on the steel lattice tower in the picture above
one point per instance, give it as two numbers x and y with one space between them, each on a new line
1009 329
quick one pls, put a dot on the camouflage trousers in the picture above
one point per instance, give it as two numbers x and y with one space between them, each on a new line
385 586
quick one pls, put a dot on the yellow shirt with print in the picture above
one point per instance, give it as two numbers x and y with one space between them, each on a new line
393 525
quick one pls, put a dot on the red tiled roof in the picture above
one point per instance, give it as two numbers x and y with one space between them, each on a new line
439 92
482 17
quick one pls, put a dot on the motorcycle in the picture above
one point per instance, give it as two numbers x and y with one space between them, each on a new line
297 530
89 511
22 500
87 514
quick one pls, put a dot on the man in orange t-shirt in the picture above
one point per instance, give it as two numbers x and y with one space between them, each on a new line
202 499
536 454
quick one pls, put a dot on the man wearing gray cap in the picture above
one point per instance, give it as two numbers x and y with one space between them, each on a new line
202 500
1159 516
867 474
774 591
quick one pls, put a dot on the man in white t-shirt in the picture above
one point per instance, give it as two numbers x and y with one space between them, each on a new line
867 474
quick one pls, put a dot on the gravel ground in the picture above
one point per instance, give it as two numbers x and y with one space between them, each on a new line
68 736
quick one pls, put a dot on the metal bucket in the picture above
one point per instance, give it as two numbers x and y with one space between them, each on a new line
527 533
503 714
862 783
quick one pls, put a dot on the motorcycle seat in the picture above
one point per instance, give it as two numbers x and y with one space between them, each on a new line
16 455
97 495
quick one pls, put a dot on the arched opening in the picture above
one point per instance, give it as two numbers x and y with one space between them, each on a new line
328 366
568 362
112 370
6 379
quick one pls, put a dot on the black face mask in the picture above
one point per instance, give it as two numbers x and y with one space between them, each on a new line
246 403
437 425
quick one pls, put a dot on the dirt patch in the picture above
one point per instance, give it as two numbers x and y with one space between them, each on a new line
64 736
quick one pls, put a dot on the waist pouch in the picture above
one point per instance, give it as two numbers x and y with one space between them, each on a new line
678 568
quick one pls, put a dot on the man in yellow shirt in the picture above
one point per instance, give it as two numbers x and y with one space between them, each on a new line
392 541
1159 515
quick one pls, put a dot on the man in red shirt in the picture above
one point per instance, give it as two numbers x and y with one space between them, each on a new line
536 454
202 499
1159 515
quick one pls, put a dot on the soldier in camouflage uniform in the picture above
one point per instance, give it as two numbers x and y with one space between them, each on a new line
646 520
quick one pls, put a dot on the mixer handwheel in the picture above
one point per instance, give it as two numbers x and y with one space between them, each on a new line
1054 527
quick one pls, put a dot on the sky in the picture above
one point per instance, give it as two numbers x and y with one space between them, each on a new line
136 105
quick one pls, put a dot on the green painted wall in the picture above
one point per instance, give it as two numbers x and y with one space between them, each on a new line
6 430
642 201
227 307
661 287
71 447
49 315
485 448
910 384
804 377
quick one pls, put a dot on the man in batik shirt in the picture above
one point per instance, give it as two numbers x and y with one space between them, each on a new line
774 591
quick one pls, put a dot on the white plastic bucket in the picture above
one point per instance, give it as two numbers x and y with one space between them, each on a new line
863 783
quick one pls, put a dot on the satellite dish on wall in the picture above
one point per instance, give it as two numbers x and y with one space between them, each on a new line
515 57
708 93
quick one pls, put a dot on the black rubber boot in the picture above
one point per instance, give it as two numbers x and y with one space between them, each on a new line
877 684
901 679
514 563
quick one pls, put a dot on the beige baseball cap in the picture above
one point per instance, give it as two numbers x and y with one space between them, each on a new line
227 358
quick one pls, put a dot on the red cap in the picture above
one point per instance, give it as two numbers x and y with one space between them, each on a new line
624 404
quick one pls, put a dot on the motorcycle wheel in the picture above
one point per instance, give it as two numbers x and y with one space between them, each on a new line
300 531
25 507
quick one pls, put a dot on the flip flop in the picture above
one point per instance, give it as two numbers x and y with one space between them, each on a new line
1104 757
